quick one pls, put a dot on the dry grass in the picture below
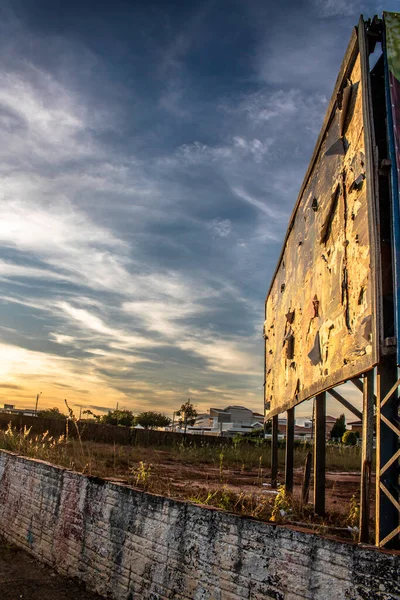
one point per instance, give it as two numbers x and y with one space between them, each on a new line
231 478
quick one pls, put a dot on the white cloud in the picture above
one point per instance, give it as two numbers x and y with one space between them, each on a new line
282 105
271 211
47 123
254 147
163 317
9 270
198 152
338 8
226 356
65 239
91 322
221 227
239 148
79 214
62 339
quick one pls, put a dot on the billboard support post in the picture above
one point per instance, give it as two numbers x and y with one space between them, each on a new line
387 454
319 454
274 451
289 459
367 451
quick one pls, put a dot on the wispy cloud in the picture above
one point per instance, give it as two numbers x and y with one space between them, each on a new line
338 8
272 212
282 106
225 356
47 124
93 323
145 187
221 227
237 149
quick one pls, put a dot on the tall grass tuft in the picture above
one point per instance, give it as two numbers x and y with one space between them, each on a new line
36 446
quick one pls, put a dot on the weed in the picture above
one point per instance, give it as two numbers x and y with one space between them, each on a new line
22 442
282 504
72 418
226 499
353 518
260 473
221 467
141 475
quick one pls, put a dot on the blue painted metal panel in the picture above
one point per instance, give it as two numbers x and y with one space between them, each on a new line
395 195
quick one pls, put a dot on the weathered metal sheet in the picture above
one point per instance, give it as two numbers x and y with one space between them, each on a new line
321 322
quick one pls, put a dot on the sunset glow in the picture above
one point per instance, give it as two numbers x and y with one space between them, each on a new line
149 163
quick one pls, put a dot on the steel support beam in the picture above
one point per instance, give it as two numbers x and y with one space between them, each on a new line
345 403
368 419
289 462
360 385
274 451
306 478
319 454
387 456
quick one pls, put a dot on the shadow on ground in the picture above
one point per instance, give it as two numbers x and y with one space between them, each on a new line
23 577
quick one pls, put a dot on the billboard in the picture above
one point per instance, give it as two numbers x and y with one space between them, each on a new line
322 309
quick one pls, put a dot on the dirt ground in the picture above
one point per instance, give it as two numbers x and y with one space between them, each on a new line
340 486
235 478
22 577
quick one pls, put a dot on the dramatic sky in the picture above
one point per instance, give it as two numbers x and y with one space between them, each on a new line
150 156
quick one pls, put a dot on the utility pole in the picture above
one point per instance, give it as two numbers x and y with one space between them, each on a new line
37 402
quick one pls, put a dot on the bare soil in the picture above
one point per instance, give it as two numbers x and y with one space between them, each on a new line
235 478
24 578
340 486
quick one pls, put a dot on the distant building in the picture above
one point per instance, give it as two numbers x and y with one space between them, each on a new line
329 423
11 410
229 421
356 426
305 431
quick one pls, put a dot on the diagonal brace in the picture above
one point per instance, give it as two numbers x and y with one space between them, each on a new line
345 403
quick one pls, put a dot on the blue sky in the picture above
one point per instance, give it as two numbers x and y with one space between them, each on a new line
151 156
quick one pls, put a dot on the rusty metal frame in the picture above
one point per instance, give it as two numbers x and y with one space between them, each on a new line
387 458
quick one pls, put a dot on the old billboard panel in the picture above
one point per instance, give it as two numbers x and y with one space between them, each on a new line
321 319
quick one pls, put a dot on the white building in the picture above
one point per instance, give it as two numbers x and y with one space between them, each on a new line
11 410
227 421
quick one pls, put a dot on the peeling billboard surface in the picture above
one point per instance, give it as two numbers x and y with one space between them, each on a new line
320 326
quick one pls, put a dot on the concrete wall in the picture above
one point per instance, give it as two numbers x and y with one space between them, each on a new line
132 545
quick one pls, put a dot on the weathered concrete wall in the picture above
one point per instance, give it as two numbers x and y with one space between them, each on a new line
132 545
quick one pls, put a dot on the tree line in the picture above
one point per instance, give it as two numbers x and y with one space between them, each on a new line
186 416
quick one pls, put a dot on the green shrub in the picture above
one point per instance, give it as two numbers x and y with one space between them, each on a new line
349 438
